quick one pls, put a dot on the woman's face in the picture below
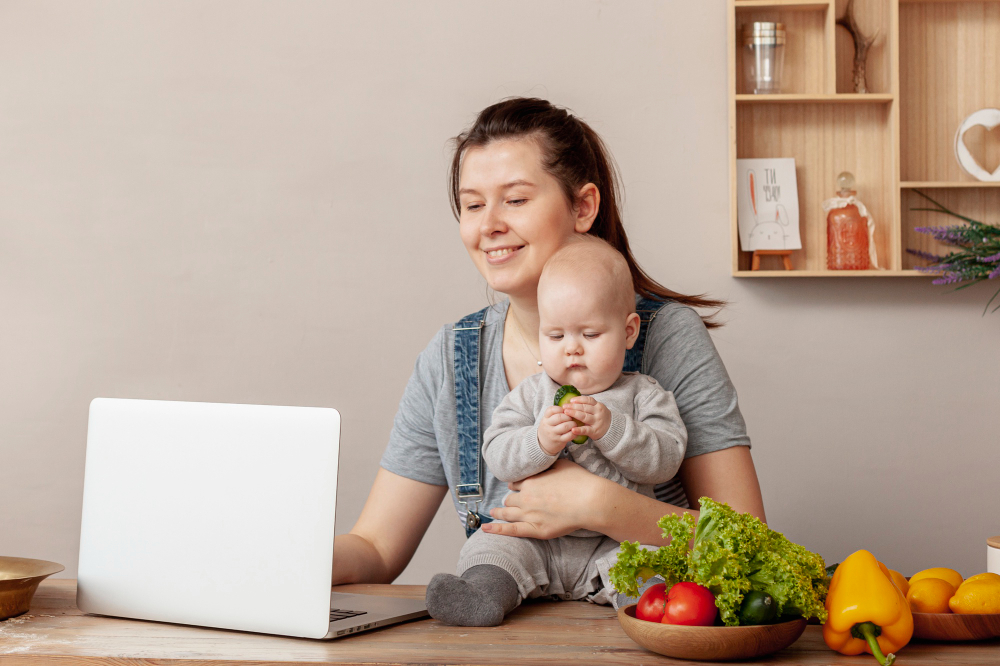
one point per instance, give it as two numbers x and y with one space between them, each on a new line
514 215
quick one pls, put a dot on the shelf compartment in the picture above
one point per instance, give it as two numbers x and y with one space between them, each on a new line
852 98
948 61
873 16
808 60
788 5
826 273
826 139
943 185
980 204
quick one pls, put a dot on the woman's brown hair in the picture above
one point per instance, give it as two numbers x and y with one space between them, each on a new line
575 155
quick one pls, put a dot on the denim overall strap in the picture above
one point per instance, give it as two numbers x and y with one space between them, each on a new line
469 490
646 309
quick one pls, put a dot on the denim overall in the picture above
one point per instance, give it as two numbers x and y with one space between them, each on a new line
468 332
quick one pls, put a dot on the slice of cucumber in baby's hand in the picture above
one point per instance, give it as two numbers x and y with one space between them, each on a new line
566 393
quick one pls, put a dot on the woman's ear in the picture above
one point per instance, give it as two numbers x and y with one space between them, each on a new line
588 202
632 324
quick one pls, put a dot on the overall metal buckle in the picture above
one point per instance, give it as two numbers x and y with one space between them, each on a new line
472 520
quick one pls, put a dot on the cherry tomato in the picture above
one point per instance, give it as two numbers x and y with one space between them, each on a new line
651 603
690 604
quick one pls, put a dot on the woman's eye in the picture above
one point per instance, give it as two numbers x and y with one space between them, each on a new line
472 207
517 202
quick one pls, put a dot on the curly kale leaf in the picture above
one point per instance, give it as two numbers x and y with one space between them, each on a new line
731 554
794 576
636 564
724 544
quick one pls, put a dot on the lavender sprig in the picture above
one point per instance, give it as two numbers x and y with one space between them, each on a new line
978 258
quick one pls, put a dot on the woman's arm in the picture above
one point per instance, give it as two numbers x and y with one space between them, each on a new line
566 497
726 476
392 523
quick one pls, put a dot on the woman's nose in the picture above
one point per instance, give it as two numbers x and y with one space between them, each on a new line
492 221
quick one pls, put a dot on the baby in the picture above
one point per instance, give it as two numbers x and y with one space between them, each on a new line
632 430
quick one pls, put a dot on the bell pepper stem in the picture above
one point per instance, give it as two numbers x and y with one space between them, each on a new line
868 632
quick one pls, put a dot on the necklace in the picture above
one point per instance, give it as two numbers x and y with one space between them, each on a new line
520 332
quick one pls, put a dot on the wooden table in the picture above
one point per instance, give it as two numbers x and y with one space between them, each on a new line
54 631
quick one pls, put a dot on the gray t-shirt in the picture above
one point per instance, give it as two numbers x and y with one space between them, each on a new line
679 354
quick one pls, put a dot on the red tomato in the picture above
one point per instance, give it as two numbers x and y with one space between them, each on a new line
651 603
690 604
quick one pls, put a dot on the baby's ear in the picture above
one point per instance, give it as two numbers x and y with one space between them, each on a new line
632 323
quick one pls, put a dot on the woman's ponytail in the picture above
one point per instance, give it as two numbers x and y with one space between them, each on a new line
574 154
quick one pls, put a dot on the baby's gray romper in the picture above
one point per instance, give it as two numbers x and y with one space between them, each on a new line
644 446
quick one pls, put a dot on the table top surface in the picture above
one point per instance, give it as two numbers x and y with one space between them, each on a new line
55 631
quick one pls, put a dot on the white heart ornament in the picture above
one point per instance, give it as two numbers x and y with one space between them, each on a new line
988 118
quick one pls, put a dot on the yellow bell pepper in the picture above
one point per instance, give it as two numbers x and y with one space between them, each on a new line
867 612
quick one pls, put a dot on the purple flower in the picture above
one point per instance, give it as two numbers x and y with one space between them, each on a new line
990 259
995 273
948 278
925 255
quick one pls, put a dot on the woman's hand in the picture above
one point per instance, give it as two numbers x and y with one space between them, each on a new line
550 504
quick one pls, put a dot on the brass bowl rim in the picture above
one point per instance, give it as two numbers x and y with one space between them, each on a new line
42 568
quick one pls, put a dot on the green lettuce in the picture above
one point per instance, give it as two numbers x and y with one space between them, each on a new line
730 553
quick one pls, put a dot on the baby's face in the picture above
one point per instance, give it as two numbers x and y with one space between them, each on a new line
582 340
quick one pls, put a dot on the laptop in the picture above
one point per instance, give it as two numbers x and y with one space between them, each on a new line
218 515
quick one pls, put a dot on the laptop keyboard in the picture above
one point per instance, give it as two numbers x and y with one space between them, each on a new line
340 614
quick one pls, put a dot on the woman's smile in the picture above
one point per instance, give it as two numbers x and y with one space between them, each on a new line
501 255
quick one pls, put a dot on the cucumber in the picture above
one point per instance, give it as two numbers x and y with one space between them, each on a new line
757 608
566 393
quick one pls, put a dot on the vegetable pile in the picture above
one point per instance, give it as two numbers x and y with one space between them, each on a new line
732 554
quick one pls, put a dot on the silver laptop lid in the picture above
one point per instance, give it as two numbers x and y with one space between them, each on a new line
210 514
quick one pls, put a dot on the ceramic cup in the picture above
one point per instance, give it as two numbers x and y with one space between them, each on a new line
993 554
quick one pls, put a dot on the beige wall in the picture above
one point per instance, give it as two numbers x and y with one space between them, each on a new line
245 202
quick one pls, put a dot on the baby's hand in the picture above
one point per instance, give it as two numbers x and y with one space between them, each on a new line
595 417
555 430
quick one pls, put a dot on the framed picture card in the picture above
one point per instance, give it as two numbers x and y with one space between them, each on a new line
767 204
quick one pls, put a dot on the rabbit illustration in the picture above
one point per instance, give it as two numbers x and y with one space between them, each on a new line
769 234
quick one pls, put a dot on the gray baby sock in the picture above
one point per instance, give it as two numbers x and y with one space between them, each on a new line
480 598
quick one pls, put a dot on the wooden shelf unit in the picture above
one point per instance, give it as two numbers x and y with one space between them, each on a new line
934 63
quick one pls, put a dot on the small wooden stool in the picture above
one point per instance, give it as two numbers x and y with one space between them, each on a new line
784 254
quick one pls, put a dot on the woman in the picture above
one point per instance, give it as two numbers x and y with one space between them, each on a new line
524 179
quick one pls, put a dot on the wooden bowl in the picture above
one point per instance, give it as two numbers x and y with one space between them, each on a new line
956 626
709 643
19 578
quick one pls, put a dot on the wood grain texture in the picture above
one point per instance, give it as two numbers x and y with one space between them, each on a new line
845 98
806 50
937 63
981 204
710 643
955 627
949 62
874 18
825 139
54 631
827 129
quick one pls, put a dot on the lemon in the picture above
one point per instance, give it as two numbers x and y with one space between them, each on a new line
943 573
929 595
978 596
900 581
982 576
